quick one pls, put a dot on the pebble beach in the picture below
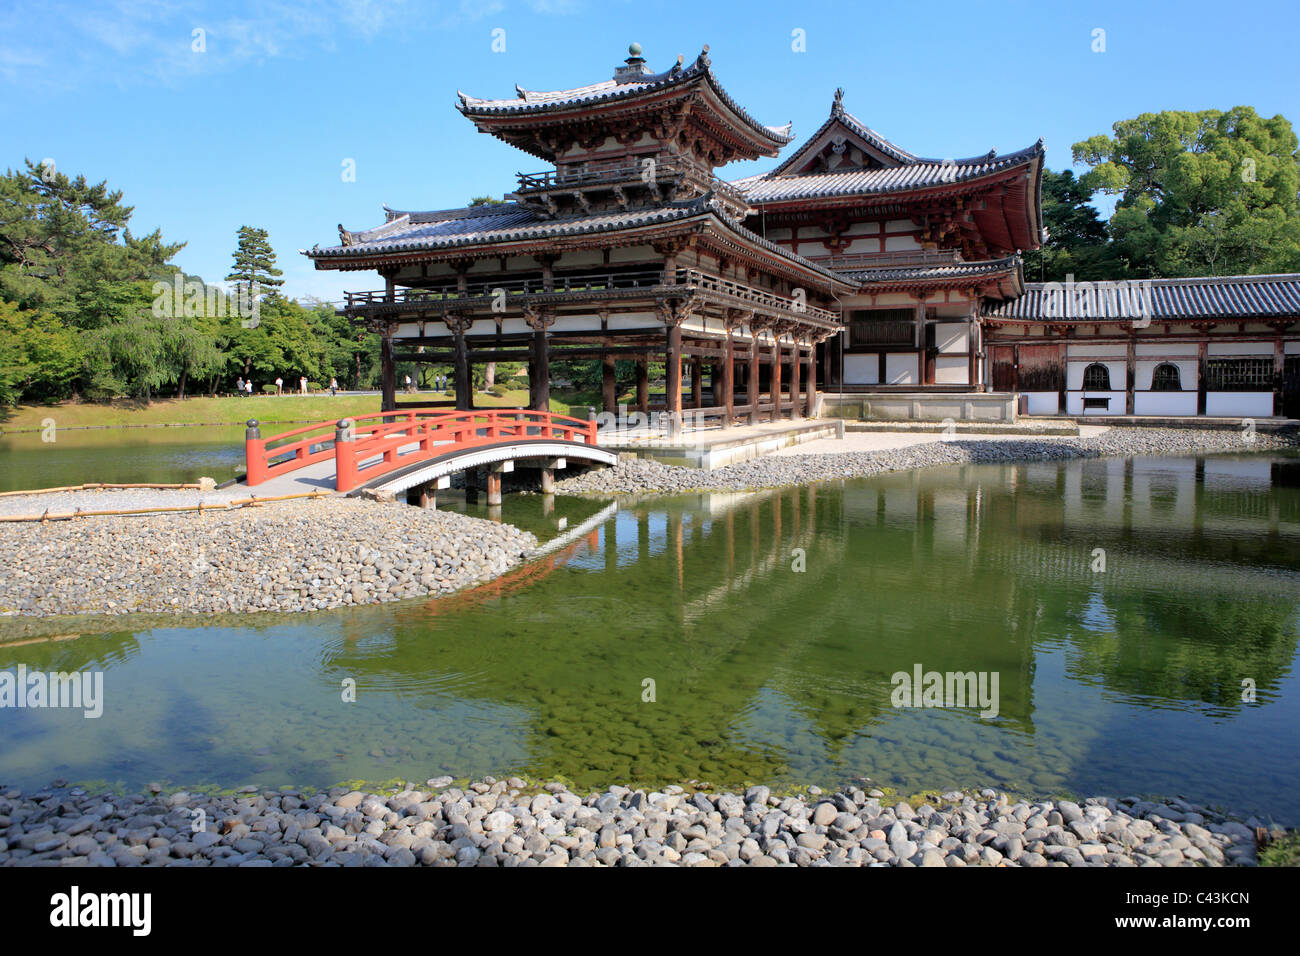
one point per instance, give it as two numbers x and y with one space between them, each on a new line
511 823
288 556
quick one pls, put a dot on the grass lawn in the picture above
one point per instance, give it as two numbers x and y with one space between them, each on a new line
235 411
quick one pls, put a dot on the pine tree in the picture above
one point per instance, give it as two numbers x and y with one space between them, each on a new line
255 263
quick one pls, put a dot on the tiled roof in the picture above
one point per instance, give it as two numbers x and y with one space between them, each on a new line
514 222
1230 297
505 222
531 102
956 270
840 117
915 174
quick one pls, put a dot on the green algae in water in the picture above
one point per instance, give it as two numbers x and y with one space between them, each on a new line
1127 681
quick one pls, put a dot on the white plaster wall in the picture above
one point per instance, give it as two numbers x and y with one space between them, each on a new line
901 369
1164 403
951 371
900 243
1232 404
1082 351
1240 348
862 369
1074 403
951 336
1074 373
1043 403
1143 371
1170 348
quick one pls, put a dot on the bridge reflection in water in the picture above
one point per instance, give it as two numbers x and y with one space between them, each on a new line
1122 680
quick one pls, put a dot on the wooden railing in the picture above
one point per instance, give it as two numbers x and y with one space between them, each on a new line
590 282
575 175
749 294
383 443
896 259
367 446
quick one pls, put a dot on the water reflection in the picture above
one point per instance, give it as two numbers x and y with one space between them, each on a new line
770 624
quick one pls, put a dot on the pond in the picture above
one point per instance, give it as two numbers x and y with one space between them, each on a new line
163 455
1140 617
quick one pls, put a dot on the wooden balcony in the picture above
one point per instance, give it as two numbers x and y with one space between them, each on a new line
612 173
647 283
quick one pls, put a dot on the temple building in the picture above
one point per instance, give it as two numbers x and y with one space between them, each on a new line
854 270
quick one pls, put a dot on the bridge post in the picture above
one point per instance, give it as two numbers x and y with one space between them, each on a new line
548 474
254 454
494 481
345 462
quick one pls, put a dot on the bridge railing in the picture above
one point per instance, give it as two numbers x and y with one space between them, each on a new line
374 445
268 457
367 446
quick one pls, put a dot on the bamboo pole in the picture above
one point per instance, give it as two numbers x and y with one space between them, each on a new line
97 486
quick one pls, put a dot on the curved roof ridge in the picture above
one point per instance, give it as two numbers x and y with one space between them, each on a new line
531 101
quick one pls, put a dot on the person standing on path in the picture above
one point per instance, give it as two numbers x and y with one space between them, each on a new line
302 385
408 385
279 385
248 387
334 386
239 386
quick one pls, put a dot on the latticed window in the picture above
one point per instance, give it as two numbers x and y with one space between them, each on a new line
877 327
1165 378
1239 375
1096 378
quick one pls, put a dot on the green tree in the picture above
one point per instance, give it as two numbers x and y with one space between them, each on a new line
254 268
39 356
1207 192
1077 243
65 247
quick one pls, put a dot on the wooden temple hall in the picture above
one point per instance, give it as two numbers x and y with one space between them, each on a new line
854 264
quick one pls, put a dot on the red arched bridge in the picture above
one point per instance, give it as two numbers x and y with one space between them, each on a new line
420 448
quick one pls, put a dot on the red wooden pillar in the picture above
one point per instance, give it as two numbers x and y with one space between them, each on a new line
387 374
1130 374
776 377
796 359
464 387
1202 373
673 378
697 382
751 386
642 385
542 360
811 385
729 379
608 386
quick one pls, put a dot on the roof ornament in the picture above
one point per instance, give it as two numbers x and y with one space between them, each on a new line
837 108
702 61
346 238
634 66
677 67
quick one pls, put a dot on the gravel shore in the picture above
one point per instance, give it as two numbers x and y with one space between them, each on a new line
637 476
288 556
511 823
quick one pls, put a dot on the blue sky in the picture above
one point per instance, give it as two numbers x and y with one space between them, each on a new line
255 129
